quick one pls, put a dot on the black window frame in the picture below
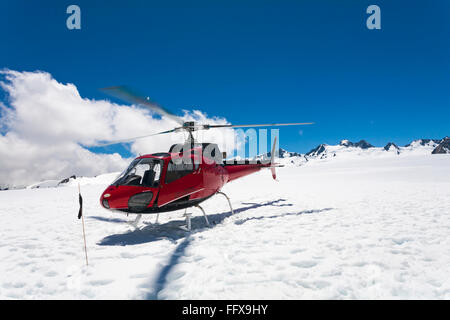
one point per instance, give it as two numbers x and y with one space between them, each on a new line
175 172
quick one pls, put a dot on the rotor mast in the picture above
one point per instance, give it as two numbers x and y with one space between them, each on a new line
190 128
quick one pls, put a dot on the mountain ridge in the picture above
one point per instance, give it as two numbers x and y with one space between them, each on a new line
349 149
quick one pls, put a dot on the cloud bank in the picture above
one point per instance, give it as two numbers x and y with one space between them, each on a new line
46 127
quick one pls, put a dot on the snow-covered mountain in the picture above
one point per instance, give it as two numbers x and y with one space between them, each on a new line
392 147
363 144
443 147
347 150
424 142
74 181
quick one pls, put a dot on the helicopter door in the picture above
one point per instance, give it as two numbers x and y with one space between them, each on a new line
181 180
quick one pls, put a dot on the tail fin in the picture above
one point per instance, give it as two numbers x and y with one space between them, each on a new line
272 158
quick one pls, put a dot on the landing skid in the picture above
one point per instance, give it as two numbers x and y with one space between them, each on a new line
188 215
136 221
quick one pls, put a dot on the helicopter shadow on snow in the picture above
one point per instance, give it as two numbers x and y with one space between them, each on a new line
171 230
161 280
242 221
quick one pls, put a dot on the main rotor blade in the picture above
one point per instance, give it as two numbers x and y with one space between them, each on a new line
126 94
256 125
107 143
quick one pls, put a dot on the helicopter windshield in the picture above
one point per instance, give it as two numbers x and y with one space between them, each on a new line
141 172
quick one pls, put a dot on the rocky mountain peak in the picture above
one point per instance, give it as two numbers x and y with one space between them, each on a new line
443 147
317 150
391 146
286 154
423 142
346 143
363 144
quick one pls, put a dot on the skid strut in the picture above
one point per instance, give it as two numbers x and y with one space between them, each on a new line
229 202
136 221
188 221
204 214
188 215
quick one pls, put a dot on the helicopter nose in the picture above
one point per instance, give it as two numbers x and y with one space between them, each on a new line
105 203
106 196
104 200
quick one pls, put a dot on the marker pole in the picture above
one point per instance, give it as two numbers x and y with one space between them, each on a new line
84 233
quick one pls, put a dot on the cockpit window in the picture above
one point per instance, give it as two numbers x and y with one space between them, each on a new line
141 172
177 171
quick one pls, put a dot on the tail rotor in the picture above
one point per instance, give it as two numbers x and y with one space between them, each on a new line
273 165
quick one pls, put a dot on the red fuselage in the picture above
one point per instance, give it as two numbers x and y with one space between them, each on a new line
172 187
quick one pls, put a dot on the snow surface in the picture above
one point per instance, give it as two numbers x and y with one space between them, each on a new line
367 227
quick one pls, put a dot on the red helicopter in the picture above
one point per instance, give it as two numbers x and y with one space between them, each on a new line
183 177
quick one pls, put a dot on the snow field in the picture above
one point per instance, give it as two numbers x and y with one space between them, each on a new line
362 228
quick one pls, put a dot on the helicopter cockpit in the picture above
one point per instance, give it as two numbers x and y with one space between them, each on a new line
143 172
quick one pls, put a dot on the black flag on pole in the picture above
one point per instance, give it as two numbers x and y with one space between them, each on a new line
80 212
80 215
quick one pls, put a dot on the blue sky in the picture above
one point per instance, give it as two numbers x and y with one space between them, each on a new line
253 61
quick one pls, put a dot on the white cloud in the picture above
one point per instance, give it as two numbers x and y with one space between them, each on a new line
46 123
